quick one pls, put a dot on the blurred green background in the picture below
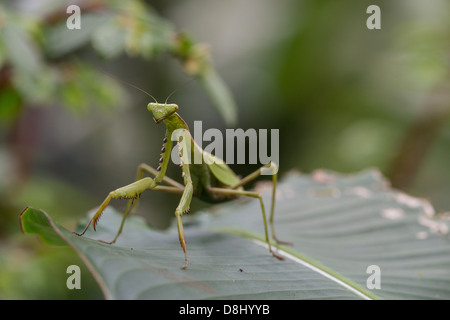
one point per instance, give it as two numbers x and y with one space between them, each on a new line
343 97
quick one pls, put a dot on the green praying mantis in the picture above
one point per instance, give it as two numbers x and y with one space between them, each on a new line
212 180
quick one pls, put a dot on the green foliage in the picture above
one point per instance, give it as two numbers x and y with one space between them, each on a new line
35 52
340 225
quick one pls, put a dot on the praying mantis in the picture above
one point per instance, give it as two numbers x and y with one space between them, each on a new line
211 180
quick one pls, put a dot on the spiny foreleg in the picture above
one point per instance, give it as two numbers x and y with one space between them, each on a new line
131 191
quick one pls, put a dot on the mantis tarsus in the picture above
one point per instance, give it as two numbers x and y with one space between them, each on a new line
211 180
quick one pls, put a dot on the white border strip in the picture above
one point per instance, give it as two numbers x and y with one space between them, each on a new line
315 269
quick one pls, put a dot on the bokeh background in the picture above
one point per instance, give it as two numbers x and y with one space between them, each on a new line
343 97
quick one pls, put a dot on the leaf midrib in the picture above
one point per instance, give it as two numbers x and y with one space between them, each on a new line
305 261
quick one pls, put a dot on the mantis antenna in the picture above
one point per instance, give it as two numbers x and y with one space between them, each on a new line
136 87
181 86
142 90
129 84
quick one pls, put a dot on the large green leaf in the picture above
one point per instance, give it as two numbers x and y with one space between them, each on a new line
340 226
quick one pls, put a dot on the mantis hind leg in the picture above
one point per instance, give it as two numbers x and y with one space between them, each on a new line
270 166
254 195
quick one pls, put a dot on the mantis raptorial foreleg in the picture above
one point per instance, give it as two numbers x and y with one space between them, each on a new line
132 192
183 207
142 168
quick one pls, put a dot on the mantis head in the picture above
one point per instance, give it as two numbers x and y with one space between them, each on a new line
161 111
